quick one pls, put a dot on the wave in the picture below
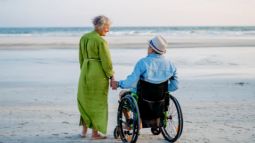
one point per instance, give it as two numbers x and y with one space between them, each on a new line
245 31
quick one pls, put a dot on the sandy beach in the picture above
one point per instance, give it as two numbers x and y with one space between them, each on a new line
39 77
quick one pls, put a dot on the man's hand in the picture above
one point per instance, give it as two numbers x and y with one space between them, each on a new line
113 83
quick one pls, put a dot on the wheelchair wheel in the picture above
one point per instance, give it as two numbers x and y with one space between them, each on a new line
173 125
155 131
128 128
116 132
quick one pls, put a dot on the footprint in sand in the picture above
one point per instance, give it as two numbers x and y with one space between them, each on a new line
187 121
206 140
23 123
65 122
68 137
233 64
241 83
55 134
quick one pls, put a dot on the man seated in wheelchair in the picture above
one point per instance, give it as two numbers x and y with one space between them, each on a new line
149 83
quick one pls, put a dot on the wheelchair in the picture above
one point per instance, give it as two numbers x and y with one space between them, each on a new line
155 108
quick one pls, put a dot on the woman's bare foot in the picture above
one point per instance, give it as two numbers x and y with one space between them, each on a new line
84 131
97 136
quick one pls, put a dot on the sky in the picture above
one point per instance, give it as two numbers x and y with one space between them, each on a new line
65 13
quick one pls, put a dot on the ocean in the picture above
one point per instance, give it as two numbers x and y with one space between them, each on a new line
177 31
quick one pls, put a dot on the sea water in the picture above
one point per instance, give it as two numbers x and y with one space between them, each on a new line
175 31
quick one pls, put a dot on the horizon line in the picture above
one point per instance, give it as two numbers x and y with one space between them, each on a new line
128 26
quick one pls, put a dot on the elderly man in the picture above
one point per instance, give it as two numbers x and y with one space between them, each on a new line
154 68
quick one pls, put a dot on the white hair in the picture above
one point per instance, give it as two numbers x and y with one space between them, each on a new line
100 21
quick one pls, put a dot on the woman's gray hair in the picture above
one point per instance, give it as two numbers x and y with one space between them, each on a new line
100 21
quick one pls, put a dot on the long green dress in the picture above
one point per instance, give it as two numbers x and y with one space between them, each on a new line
96 69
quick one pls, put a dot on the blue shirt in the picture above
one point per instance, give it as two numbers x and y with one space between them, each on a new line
155 69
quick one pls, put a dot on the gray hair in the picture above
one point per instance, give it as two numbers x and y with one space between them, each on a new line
100 21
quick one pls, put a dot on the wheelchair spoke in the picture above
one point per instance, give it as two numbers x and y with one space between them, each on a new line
174 114
174 131
172 107
128 119
173 128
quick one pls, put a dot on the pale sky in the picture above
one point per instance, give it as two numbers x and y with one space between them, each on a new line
24 13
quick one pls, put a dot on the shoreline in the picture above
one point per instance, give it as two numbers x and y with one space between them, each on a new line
128 42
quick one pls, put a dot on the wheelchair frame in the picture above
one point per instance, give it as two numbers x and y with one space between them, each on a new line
129 132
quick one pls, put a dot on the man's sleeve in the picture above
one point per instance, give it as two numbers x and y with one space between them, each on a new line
132 79
173 82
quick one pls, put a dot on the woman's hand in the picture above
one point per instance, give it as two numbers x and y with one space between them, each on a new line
113 83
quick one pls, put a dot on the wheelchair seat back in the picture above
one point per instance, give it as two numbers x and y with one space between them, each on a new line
151 102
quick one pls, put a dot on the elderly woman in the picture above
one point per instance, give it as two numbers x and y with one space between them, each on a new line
96 70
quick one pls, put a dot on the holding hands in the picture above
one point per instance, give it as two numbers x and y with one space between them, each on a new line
114 84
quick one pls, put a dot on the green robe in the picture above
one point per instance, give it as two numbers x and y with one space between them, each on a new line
96 69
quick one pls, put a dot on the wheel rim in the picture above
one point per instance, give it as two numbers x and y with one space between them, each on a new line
173 120
128 131
173 125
